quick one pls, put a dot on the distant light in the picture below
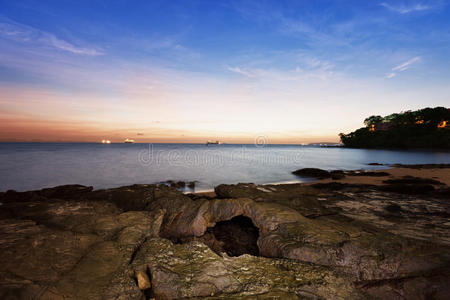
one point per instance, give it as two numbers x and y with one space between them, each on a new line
443 124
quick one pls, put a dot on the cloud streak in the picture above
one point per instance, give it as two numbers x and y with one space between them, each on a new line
405 9
402 67
390 75
30 35
405 66
307 67
251 73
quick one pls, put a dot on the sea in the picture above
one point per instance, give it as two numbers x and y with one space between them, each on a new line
31 166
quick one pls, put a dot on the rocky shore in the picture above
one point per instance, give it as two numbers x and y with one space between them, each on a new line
352 235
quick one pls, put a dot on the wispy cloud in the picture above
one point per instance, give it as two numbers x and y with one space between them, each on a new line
27 34
251 73
301 66
405 66
297 74
403 9
402 67
390 75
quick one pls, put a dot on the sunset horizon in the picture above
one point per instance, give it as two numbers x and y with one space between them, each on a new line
288 72
224 149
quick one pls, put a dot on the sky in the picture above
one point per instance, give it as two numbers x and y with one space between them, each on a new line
235 71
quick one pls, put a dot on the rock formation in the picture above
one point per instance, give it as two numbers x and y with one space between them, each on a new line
294 241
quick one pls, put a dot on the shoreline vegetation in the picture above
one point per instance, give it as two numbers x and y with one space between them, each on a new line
424 128
359 234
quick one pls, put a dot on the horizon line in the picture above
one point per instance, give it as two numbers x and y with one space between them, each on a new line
85 142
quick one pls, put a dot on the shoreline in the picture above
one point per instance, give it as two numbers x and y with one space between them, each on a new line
396 171
440 172
154 242
104 167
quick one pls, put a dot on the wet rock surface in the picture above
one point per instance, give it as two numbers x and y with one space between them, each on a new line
336 174
312 172
413 180
291 241
423 166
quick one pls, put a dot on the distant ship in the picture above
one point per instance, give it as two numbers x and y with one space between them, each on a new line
128 141
106 142
213 143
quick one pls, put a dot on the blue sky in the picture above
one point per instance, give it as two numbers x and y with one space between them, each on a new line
294 71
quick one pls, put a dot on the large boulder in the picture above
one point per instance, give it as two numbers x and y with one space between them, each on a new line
302 198
134 197
312 172
329 241
283 232
73 191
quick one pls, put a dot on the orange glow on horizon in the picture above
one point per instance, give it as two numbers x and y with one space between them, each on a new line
36 114
29 130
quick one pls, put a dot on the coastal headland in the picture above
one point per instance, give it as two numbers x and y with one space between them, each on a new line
380 234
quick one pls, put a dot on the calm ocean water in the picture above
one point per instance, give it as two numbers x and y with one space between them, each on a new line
26 166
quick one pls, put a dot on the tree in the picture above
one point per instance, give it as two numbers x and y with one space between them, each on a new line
373 120
409 129
433 116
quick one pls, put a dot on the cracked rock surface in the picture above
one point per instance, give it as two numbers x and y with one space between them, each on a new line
250 242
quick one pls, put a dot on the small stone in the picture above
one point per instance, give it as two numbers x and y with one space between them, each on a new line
180 184
143 280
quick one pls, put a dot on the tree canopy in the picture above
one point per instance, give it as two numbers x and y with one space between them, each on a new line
409 129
